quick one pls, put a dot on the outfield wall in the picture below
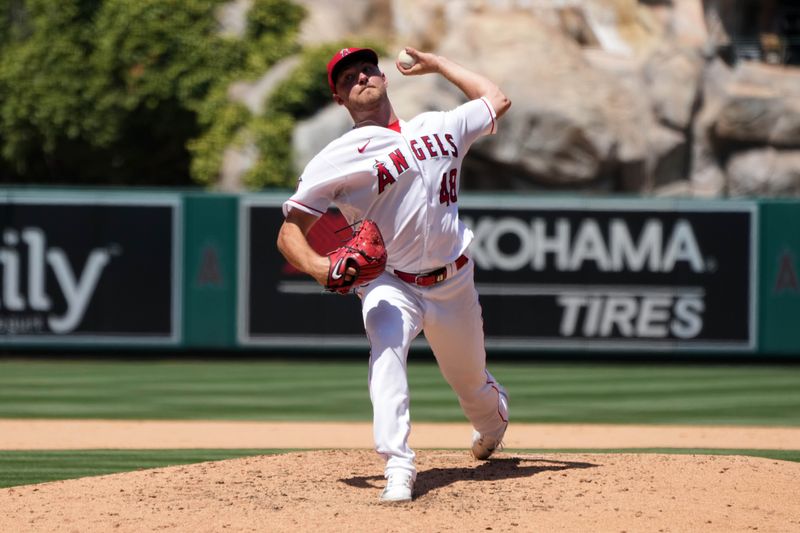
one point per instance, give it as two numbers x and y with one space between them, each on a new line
191 270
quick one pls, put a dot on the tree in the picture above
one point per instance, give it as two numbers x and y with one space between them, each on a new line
114 91
301 94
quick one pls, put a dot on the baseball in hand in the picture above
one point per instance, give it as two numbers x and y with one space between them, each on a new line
405 59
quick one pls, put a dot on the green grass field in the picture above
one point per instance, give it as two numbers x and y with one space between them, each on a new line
26 467
337 390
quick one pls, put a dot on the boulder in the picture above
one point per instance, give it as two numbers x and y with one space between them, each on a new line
747 111
706 173
237 160
254 94
764 172
672 78
571 124
759 115
608 95
784 80
423 23
614 26
686 24
334 20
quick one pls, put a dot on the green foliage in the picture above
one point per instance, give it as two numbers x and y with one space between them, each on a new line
12 20
272 136
306 90
272 27
208 149
299 96
136 91
113 91
42 82
163 49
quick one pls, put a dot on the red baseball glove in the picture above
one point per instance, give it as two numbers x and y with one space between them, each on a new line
365 252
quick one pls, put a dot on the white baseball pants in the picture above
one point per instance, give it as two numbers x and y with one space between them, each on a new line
449 313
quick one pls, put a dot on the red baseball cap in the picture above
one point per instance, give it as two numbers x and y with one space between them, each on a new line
344 56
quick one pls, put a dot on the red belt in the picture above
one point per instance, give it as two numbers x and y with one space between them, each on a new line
433 277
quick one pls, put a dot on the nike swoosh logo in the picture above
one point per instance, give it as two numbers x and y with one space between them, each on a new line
362 148
335 274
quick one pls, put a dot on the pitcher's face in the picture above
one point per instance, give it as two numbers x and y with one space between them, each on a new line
360 86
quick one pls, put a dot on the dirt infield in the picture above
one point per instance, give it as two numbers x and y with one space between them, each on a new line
153 434
337 491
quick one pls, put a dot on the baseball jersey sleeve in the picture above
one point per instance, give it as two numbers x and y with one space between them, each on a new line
475 118
317 187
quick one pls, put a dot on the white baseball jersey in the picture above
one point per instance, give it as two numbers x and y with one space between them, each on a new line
407 181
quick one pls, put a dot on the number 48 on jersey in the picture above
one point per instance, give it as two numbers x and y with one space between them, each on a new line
448 190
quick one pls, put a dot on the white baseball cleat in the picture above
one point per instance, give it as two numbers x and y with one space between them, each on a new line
399 486
483 446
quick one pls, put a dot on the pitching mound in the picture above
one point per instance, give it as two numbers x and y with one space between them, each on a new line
338 491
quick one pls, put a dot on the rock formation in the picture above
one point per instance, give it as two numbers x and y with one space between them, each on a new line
608 95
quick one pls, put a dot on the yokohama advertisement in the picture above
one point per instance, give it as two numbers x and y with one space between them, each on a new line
82 270
571 274
603 275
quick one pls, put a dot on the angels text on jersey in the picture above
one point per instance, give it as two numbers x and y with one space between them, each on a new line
424 147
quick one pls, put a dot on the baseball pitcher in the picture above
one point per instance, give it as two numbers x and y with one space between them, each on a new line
410 266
